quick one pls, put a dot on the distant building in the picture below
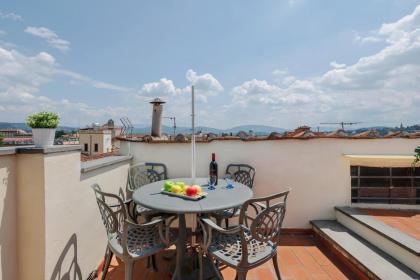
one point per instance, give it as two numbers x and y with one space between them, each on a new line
15 137
95 140
115 130
14 132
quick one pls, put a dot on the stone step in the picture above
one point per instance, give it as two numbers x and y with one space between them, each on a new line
399 245
373 262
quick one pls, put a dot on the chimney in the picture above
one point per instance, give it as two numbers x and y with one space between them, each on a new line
157 116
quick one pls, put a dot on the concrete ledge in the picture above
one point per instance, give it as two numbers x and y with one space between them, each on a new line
7 151
48 150
102 162
380 160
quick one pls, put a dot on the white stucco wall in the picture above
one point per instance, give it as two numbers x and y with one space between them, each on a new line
8 249
315 169
71 214
50 224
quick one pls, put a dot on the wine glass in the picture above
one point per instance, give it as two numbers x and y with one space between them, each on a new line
229 181
212 182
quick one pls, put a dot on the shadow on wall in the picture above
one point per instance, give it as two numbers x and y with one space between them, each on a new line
67 267
7 229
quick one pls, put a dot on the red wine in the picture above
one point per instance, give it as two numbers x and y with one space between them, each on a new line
213 167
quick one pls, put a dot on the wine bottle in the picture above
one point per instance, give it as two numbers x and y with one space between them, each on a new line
213 168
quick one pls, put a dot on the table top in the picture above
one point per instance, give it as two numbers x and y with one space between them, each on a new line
150 196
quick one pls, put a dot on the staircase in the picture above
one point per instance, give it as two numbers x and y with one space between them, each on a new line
377 250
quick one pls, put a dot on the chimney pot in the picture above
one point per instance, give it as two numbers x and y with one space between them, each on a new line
157 116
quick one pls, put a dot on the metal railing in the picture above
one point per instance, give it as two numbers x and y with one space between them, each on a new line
389 185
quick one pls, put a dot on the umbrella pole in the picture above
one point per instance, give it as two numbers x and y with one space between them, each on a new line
193 171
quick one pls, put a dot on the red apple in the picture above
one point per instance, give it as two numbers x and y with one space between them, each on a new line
192 191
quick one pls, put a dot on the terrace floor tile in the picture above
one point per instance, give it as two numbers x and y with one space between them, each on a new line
407 221
300 256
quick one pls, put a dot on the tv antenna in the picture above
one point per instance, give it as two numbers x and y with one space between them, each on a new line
342 123
127 126
173 119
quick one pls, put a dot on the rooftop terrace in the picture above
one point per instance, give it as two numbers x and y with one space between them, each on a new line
49 214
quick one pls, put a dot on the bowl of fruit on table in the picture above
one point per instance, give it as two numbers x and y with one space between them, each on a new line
180 189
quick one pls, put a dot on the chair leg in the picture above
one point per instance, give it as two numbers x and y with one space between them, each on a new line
129 270
241 275
276 267
153 261
200 263
226 222
216 269
108 257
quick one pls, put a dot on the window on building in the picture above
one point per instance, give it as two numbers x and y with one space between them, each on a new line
96 147
86 147
391 185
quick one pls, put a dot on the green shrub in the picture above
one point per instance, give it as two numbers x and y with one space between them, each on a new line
43 120
416 156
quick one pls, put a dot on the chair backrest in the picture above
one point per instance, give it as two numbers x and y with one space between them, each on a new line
266 225
144 173
156 171
242 173
113 211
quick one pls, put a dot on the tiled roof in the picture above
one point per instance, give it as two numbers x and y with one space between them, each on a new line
302 132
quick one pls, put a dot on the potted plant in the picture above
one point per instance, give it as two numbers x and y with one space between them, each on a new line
416 156
43 126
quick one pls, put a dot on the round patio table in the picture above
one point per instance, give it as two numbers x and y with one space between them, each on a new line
150 196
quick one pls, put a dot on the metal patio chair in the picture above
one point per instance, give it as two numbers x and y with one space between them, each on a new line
126 239
241 173
139 175
249 244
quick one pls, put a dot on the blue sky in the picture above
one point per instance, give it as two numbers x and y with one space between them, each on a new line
282 63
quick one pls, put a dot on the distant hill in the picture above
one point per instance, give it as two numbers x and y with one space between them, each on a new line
383 130
27 128
257 129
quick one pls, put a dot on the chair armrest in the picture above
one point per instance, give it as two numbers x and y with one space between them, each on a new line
208 226
214 226
262 206
126 202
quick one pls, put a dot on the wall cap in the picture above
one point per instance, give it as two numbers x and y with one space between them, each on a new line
88 166
7 151
48 150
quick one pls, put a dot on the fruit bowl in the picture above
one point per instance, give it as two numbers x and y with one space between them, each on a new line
180 189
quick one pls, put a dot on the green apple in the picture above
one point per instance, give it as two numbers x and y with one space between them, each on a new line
168 186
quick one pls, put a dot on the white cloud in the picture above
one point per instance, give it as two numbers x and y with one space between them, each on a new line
335 64
21 81
3 33
50 36
262 92
283 77
408 23
163 87
92 82
205 82
205 85
380 87
361 40
11 16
